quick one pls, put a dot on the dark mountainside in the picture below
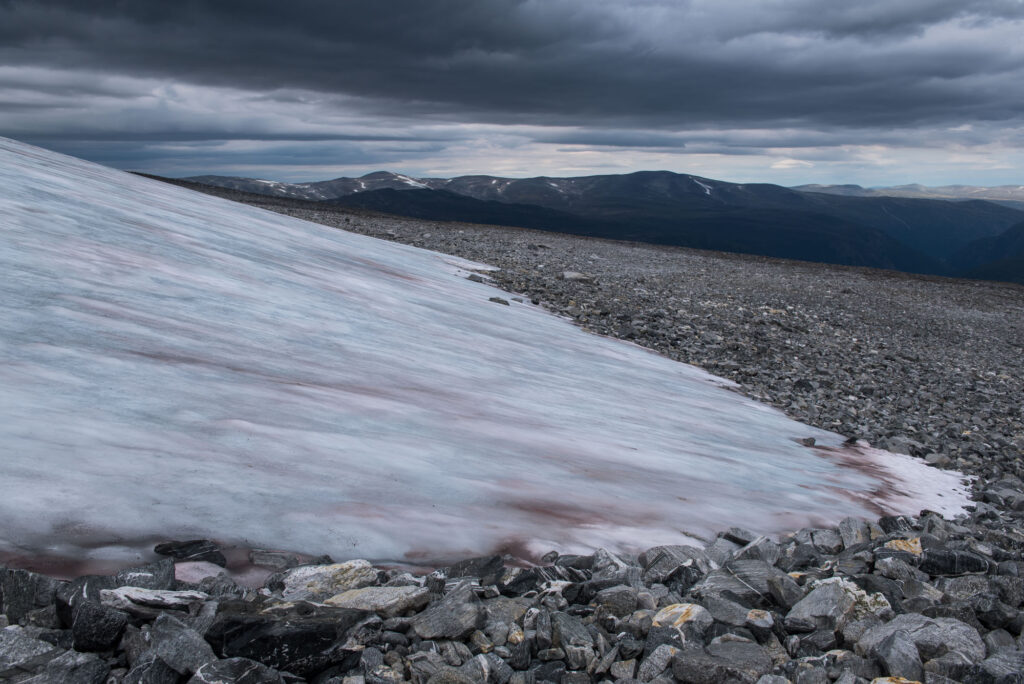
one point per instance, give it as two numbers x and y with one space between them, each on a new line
995 258
659 207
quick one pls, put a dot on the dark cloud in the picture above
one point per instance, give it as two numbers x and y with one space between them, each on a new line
605 73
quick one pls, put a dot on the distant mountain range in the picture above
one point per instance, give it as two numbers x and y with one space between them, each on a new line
925 233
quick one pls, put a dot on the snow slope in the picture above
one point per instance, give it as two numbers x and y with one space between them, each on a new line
173 365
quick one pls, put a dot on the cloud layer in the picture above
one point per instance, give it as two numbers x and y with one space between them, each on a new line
784 90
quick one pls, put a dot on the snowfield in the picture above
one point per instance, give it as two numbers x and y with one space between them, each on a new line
173 365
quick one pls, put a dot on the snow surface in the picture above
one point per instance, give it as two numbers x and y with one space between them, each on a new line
175 365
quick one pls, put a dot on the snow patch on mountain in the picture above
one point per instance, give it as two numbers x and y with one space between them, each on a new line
178 366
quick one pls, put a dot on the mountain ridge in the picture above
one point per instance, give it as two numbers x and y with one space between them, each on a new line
851 227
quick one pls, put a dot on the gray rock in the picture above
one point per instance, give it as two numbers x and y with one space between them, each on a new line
1005 666
385 601
158 575
899 656
729 661
657 662
660 562
151 671
784 591
619 601
236 671
933 637
21 653
623 669
192 550
746 580
762 548
726 612
73 668
832 602
96 627
25 591
453 617
179 646
721 550
569 630
149 603
318 582
827 541
273 560
853 531
690 620
896 569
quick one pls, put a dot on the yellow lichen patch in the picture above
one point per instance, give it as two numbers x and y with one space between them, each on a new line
894 680
677 614
912 545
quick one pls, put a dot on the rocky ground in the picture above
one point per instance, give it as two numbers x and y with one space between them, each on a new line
921 365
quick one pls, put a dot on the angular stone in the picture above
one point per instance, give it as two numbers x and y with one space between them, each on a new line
832 602
318 582
1005 666
623 669
148 602
21 653
236 671
285 640
853 531
726 612
385 601
151 671
899 656
569 630
827 541
721 550
761 548
192 550
179 646
728 661
158 575
486 568
933 637
23 591
896 569
738 535
619 601
273 560
951 562
689 619
660 562
453 617
96 627
85 588
746 580
657 662
784 591
74 668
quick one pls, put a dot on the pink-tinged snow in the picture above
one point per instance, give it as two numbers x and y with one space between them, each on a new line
178 366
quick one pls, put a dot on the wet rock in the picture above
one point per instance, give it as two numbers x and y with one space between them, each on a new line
453 617
385 601
192 550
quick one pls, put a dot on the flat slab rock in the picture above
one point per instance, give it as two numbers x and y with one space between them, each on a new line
319 582
385 601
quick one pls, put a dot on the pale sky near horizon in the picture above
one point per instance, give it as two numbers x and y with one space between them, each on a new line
781 91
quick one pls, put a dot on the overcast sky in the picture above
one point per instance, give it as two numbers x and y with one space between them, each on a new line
876 92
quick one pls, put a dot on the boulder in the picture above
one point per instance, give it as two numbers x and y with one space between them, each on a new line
453 617
385 601
318 582
932 637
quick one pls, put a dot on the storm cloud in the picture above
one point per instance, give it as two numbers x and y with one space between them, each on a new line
524 86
